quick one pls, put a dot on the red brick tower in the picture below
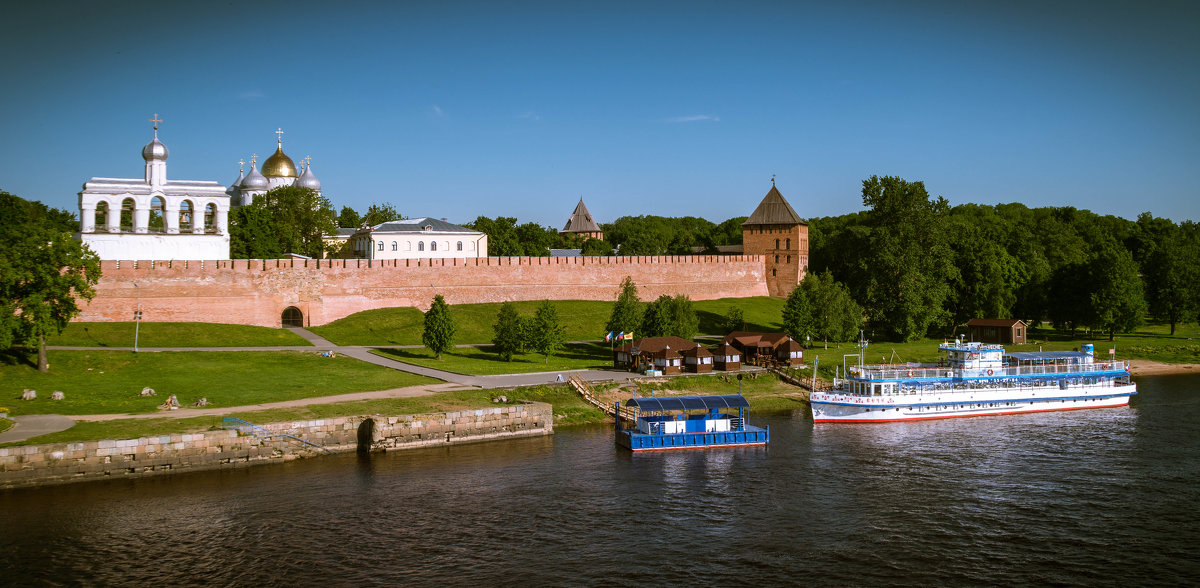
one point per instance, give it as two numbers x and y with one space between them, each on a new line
776 232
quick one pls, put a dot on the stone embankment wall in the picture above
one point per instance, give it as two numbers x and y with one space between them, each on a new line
60 463
256 292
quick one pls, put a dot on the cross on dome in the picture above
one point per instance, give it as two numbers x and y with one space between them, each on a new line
241 165
279 135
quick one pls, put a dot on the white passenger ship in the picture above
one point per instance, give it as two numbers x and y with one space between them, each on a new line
975 379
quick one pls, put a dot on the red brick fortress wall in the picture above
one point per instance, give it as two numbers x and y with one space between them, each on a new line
256 292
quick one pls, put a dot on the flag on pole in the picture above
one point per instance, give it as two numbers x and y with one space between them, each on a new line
608 337
621 337
628 336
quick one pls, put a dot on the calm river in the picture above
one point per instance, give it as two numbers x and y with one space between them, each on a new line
1106 497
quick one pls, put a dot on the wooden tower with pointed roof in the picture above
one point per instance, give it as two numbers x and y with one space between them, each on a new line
582 224
777 233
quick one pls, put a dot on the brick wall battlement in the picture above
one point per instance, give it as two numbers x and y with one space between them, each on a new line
256 292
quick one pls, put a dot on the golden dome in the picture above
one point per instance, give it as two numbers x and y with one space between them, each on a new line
279 165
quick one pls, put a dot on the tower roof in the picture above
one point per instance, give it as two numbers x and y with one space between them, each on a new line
581 221
774 210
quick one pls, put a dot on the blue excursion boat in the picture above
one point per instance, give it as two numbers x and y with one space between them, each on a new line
687 422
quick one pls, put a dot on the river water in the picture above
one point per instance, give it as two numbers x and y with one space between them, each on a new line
1103 497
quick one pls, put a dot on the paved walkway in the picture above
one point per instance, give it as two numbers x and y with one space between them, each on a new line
34 425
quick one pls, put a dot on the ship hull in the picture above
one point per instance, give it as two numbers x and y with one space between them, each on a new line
841 408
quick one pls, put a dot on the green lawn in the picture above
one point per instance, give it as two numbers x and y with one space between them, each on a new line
80 334
569 409
583 320
761 313
102 382
482 361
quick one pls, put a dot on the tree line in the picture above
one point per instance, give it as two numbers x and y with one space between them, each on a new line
918 266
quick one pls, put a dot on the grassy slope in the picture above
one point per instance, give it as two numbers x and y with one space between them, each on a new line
98 382
583 321
172 335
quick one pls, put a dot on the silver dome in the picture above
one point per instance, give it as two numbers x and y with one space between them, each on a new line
308 180
255 180
238 182
155 150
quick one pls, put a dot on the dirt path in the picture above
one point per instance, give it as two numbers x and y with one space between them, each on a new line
187 412
1146 367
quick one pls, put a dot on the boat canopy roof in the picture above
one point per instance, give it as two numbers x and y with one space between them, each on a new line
1046 355
689 402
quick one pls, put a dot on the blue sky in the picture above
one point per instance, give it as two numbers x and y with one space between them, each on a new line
461 109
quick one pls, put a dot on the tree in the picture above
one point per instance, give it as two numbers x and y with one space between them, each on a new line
670 316
907 264
596 247
1171 266
1117 302
734 320
439 327
508 331
380 213
626 314
44 271
821 308
548 332
287 219
349 219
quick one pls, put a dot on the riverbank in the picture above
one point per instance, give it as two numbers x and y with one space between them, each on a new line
1146 367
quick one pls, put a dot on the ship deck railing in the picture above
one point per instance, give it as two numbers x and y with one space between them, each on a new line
925 371
965 388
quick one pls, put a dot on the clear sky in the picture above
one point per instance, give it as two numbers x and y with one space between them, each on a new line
461 109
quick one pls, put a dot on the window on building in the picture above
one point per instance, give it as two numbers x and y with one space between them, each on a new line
772 273
395 246
381 245
460 245
789 243
789 259
777 243
776 259
433 245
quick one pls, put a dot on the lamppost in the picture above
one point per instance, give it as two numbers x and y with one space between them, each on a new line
137 317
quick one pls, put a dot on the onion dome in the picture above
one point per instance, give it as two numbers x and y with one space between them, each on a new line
155 150
308 180
255 180
238 182
279 165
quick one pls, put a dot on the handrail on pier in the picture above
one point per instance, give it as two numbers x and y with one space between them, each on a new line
248 428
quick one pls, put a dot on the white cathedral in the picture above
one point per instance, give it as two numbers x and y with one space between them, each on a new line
157 218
